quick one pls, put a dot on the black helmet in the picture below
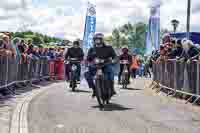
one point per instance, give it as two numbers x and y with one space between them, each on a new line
125 49
76 43
98 36
98 39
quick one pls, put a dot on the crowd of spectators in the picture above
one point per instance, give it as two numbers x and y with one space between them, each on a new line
182 50
21 49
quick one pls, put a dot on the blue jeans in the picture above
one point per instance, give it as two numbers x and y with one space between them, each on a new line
107 70
78 71
68 70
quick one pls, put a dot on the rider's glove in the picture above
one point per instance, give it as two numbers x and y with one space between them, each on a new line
66 62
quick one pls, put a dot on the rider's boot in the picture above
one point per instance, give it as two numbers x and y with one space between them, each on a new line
70 85
112 88
119 80
94 93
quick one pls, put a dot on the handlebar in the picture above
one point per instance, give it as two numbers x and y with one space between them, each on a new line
72 60
101 62
124 62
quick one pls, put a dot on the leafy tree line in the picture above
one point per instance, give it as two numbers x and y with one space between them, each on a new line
130 35
133 36
37 38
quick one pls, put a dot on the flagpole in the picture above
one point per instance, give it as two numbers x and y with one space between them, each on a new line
90 26
188 18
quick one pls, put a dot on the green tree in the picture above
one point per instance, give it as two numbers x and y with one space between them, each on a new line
116 38
131 35
37 40
109 40
18 34
46 39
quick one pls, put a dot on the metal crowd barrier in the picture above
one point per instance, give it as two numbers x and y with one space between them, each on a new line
13 72
179 77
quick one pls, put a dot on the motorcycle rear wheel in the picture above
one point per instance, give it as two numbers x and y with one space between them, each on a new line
124 81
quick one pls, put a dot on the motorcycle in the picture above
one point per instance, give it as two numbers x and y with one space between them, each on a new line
103 92
125 74
73 73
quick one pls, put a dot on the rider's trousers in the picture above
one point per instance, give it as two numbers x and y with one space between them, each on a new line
90 74
78 74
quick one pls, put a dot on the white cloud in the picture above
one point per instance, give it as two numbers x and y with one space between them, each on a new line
66 17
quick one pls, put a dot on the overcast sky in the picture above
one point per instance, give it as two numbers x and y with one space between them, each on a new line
66 18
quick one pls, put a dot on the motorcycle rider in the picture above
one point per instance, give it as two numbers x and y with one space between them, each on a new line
102 51
75 52
125 56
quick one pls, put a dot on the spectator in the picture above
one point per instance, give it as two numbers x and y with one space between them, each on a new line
135 65
59 53
191 52
46 51
36 52
155 55
166 40
15 45
197 46
41 51
178 51
147 66
6 42
51 53
1 44
163 53
140 70
30 49
7 46
153 58
2 49
22 46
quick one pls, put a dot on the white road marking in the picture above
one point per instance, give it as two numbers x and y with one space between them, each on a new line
60 126
19 123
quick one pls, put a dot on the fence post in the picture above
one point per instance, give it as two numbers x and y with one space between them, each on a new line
175 75
7 71
198 75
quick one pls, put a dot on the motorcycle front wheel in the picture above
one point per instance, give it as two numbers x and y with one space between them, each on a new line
99 83
73 85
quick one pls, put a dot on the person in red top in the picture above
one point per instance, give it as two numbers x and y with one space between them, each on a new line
135 65
124 56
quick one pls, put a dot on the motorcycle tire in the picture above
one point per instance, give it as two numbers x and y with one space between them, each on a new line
98 83
73 83
124 81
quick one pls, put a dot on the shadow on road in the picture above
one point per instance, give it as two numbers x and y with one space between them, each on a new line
114 107
80 91
133 89
21 88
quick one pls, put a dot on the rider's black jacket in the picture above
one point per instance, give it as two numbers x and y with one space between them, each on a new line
126 57
104 52
74 53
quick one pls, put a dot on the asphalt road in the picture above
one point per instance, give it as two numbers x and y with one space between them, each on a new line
59 110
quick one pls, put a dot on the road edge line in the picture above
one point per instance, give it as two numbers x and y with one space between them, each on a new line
19 118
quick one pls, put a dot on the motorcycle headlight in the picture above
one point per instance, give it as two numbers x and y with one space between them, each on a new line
126 71
97 61
74 67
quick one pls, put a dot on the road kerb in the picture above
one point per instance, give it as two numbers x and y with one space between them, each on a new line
19 122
